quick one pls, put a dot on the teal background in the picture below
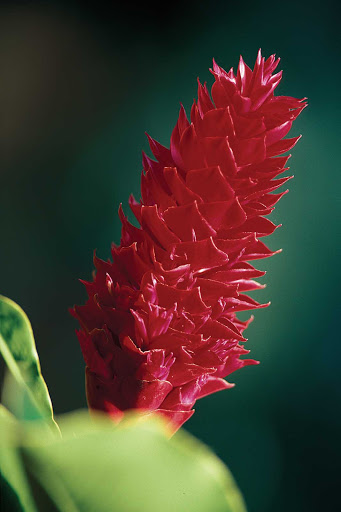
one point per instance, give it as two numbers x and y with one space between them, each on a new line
80 84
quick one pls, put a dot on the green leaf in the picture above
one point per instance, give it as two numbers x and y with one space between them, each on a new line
18 349
16 494
97 467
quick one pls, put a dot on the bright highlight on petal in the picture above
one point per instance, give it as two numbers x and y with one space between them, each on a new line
160 327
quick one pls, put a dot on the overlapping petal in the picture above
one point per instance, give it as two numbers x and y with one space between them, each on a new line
160 327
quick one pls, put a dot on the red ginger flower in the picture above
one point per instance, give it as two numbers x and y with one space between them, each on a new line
159 329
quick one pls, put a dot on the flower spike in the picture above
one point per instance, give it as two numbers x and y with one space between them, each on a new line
160 328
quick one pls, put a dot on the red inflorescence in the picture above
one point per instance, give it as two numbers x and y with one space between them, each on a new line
159 329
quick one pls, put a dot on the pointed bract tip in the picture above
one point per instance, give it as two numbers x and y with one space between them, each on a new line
72 311
216 67
150 140
94 257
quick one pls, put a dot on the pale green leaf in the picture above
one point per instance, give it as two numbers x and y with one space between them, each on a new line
18 349
16 494
97 467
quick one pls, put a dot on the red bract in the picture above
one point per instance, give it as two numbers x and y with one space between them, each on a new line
159 329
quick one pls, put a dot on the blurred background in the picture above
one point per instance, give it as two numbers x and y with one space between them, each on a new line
80 84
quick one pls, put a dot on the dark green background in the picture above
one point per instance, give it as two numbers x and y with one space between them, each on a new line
80 84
